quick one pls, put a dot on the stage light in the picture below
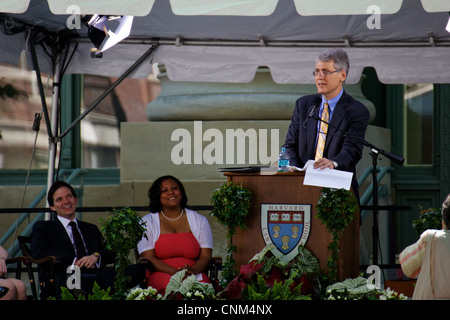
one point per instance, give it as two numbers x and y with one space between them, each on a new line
448 24
102 35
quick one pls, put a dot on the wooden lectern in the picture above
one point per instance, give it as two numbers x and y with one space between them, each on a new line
288 188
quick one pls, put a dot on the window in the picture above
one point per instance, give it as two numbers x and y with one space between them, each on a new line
418 124
100 129
19 103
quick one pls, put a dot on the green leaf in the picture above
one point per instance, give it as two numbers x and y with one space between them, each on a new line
306 262
179 283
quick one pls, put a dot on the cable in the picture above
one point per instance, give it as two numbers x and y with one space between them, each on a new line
36 128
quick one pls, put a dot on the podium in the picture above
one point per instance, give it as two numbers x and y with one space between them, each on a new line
284 188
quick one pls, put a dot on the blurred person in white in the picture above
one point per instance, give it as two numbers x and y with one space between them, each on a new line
428 260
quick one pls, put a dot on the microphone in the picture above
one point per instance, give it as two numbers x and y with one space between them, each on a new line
311 113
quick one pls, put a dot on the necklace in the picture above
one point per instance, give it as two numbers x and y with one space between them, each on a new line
171 219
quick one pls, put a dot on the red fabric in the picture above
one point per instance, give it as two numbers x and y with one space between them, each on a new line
175 249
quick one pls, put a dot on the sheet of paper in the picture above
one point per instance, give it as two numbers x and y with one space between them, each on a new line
307 164
328 178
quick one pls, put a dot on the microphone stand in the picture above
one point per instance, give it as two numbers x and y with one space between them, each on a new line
375 151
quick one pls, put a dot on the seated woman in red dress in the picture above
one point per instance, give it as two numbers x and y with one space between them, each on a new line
177 238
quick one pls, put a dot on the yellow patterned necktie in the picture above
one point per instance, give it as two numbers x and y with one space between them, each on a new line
322 132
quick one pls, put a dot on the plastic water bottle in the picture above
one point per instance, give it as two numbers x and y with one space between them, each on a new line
283 160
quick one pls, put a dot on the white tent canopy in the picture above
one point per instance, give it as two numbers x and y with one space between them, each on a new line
226 41
220 7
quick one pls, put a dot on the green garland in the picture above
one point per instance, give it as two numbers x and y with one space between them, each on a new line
122 230
231 206
336 209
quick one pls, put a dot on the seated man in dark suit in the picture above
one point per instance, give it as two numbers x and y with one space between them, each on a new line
73 242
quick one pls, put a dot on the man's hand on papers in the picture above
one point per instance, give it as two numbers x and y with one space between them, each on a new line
323 164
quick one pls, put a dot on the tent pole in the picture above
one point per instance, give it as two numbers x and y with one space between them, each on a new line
52 126
53 144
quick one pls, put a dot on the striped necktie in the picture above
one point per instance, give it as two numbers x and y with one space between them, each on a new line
322 132
78 241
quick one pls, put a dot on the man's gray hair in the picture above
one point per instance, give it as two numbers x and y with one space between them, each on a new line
339 57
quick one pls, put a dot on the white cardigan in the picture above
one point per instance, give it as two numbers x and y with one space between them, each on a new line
199 226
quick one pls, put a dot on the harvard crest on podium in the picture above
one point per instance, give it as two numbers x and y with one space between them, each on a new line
286 226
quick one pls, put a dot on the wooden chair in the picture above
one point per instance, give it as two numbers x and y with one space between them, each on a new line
19 261
44 266
215 265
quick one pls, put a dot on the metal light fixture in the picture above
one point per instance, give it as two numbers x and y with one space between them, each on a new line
448 24
101 34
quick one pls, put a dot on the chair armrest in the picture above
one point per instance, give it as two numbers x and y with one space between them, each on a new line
16 259
216 261
215 265
147 264
51 259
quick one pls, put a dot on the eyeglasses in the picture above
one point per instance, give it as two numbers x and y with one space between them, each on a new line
323 73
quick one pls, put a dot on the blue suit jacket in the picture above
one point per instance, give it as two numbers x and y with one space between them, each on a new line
350 117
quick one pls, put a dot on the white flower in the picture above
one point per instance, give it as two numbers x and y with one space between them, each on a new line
138 293
198 293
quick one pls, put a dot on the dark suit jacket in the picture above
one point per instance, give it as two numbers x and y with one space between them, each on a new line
49 238
350 116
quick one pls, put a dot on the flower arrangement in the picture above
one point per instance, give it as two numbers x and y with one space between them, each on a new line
358 289
265 277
